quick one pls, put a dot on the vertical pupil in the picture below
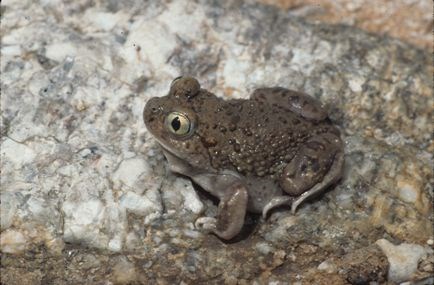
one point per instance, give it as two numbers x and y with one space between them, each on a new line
176 124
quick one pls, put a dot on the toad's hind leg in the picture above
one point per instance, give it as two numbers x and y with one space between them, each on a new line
331 177
298 102
316 165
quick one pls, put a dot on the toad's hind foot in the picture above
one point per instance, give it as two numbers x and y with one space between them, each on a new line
206 224
276 202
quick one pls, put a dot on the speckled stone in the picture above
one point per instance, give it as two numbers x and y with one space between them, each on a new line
86 194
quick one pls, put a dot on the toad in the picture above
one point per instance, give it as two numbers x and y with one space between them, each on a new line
276 148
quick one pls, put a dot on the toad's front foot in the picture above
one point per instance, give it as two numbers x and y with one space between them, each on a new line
231 213
206 224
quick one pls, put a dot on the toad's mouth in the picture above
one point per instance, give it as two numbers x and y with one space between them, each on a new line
176 163
166 149
168 152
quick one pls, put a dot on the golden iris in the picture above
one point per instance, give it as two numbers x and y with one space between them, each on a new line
178 123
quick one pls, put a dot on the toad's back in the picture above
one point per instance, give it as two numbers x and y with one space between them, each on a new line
253 137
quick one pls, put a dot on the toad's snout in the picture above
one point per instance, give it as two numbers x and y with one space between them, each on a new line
151 112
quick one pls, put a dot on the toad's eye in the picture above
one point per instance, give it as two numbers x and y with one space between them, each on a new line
178 124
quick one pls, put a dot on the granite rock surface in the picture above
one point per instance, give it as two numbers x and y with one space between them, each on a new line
86 196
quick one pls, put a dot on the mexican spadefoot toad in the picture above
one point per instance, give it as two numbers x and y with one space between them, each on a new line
276 148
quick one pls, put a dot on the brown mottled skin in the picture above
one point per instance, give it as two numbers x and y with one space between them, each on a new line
277 148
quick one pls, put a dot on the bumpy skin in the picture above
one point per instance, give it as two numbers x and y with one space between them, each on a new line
277 148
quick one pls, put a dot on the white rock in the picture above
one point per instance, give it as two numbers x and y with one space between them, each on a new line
264 248
403 259
301 60
139 204
115 244
60 50
102 20
12 50
37 206
356 84
86 235
82 223
327 266
67 170
156 43
191 199
85 212
130 170
18 153
152 217
408 192
184 18
344 200
12 241
8 209
234 72
24 129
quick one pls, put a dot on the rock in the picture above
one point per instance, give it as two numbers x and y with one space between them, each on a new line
55 246
124 272
130 170
264 248
79 223
8 209
327 266
191 200
403 259
82 177
140 205
16 153
13 242
365 265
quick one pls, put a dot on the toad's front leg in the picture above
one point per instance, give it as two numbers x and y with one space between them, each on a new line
231 212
